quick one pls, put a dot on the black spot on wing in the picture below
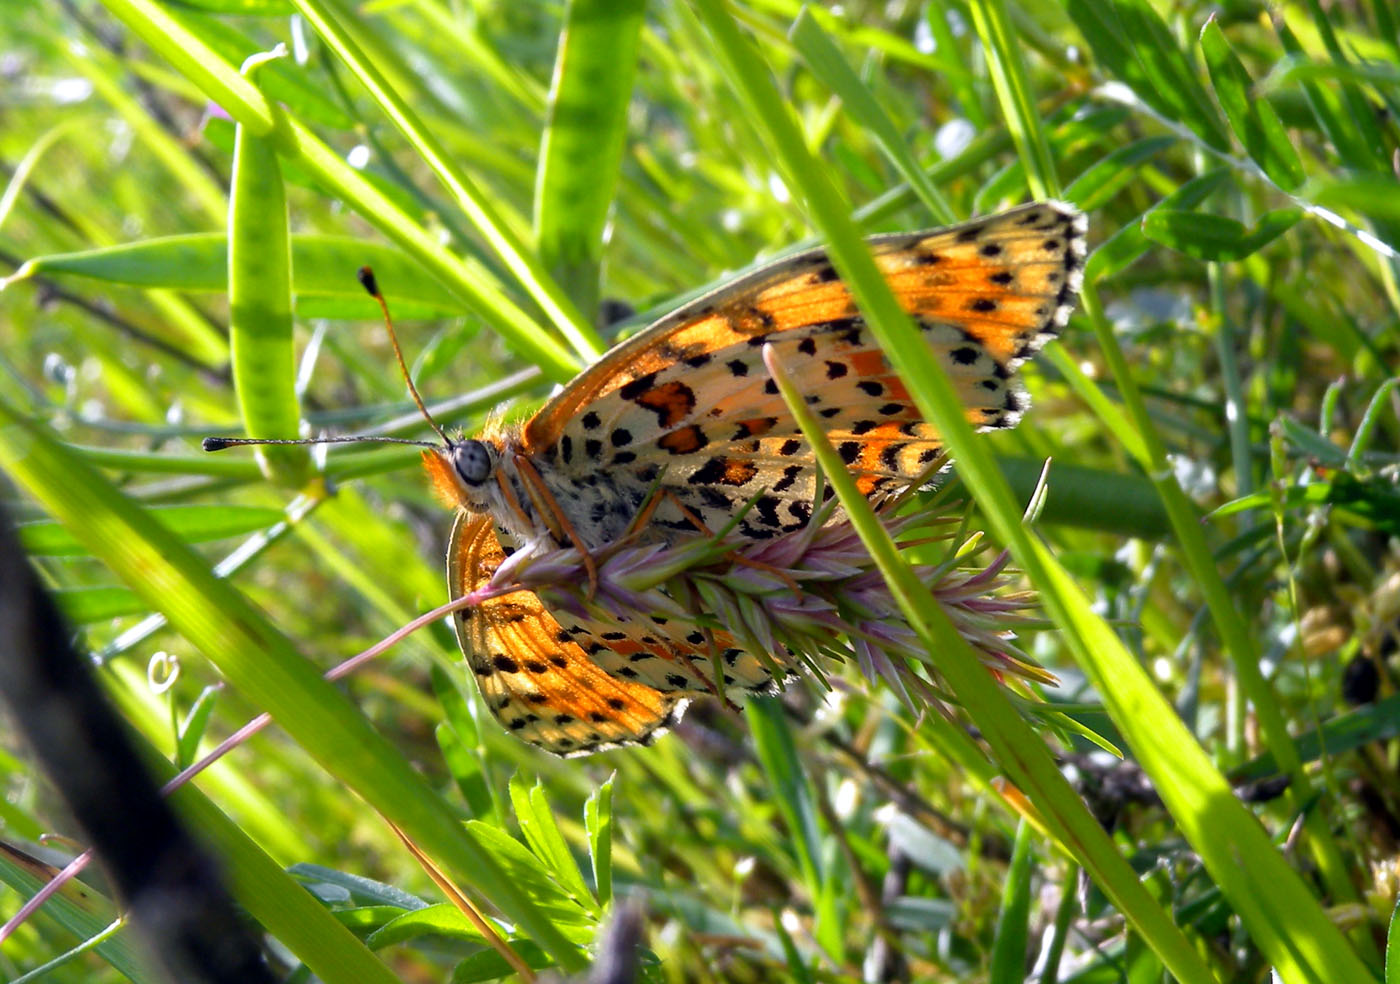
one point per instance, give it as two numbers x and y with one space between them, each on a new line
637 386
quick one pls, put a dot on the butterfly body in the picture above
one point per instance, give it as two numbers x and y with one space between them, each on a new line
682 420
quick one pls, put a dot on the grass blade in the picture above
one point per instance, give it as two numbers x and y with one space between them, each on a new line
584 135
1252 118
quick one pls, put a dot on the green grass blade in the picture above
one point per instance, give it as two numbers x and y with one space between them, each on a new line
279 902
188 52
1392 947
79 909
1251 117
330 20
191 523
1013 930
826 61
1199 798
1131 40
323 273
197 183
598 822
1006 62
777 751
1190 786
584 135
1352 141
299 145
1361 118
1018 750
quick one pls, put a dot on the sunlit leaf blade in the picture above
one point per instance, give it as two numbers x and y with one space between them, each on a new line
826 60
323 272
1013 931
1357 147
1005 64
1376 722
598 821
585 131
488 965
78 908
1205 236
537 824
535 882
1376 196
342 32
260 307
82 606
1107 177
1128 36
1128 244
191 523
1251 117
285 81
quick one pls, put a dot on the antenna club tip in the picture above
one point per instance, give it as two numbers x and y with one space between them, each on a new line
214 444
368 282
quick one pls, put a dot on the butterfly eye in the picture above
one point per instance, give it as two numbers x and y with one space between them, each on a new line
472 461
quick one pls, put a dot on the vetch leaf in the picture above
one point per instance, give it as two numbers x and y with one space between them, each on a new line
597 820
1107 177
535 881
1251 117
1216 238
323 272
537 823
1125 246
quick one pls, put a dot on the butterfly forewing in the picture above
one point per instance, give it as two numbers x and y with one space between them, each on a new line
688 402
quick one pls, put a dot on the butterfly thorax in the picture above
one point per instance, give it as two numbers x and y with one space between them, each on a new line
533 497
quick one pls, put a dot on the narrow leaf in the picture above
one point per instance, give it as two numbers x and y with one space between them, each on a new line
1216 238
1013 922
1251 117
323 272
597 820
583 140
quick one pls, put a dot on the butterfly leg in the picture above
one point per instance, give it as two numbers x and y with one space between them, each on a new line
559 526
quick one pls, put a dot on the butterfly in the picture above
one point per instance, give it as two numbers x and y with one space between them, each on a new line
683 421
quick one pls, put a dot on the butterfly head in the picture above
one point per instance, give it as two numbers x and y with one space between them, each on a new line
463 473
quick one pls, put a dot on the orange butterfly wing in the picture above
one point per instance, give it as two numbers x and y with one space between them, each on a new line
688 402
1005 282
546 691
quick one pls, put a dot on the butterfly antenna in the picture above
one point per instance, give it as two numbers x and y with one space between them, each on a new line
371 286
219 443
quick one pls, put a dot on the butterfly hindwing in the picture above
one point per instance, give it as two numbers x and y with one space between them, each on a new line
542 685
